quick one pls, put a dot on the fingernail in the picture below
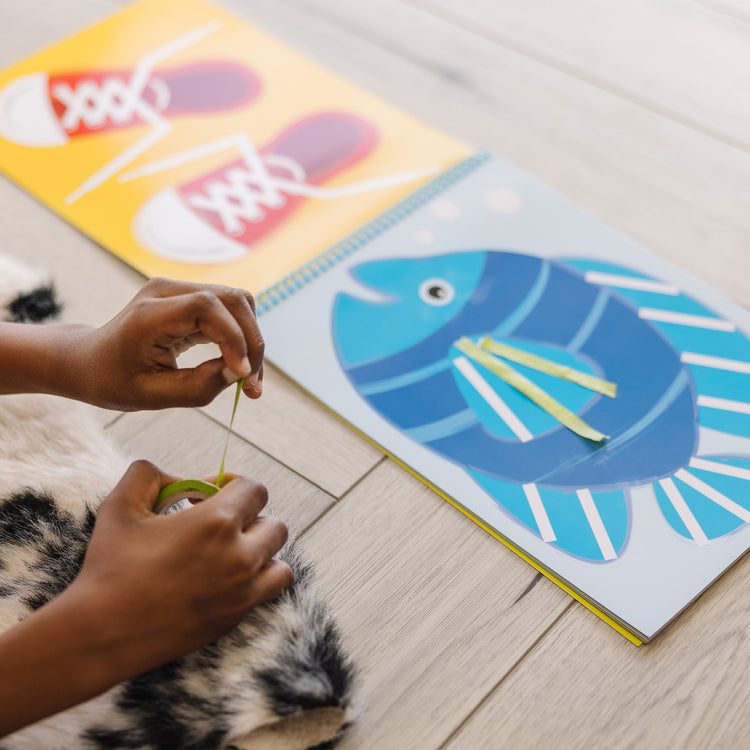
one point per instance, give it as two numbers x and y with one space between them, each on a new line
254 382
230 375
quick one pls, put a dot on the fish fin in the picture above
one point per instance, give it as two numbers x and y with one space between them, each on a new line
591 525
710 346
708 499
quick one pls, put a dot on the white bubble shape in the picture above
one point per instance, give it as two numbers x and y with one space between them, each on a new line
445 209
502 200
424 237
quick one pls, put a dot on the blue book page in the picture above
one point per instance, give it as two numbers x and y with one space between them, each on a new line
638 523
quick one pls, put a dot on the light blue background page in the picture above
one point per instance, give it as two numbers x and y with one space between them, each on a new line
660 565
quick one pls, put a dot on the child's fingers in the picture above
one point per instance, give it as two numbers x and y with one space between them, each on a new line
271 580
264 538
187 386
138 489
253 387
240 307
204 312
241 501
228 477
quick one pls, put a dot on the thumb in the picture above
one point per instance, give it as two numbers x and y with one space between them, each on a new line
137 491
188 386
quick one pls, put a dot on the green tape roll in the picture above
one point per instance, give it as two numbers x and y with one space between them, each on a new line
195 489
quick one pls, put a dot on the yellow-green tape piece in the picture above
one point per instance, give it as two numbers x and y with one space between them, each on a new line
220 477
532 391
548 366
184 488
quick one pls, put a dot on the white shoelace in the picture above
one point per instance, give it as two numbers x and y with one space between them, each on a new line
246 194
247 190
78 106
91 103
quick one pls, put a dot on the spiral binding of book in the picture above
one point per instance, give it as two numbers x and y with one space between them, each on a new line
297 279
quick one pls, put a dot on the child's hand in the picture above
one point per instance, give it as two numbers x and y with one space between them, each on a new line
130 363
151 589
161 586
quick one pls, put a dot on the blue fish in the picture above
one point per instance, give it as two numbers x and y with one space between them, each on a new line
677 365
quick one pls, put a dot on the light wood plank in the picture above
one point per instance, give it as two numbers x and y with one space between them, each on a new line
585 686
435 611
681 193
299 432
31 26
293 428
686 60
736 8
186 443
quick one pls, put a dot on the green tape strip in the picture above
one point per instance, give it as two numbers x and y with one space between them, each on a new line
548 366
220 477
197 488
532 391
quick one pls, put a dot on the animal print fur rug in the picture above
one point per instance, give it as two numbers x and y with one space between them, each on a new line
279 681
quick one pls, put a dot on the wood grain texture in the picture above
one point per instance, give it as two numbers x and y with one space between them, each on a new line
681 193
301 433
676 57
188 444
26 28
584 686
433 609
738 9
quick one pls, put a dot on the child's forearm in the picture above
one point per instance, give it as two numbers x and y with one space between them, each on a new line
42 359
131 362
53 660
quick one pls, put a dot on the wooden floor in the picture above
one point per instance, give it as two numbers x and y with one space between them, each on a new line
639 111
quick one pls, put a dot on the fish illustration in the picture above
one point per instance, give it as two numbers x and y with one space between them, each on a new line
680 369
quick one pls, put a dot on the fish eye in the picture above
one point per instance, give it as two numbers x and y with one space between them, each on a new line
436 292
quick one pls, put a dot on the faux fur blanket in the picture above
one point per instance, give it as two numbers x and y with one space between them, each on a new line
279 681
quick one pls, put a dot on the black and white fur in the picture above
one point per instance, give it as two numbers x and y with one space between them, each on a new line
279 681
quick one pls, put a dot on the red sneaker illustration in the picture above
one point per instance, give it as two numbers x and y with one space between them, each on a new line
42 110
221 215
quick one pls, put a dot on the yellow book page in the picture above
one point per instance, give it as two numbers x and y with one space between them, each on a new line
196 147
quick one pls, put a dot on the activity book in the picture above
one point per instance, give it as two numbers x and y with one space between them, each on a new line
580 398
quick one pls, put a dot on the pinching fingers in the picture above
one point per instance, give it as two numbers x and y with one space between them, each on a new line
225 316
217 323
241 305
